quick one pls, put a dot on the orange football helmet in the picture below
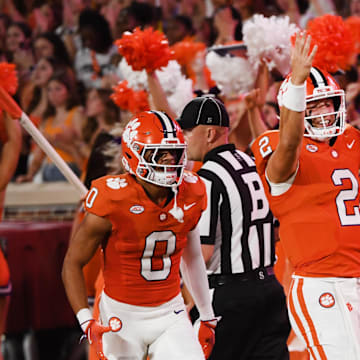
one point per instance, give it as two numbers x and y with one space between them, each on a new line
321 85
143 138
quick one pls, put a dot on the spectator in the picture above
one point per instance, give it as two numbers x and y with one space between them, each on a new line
239 133
227 22
110 9
316 8
247 8
102 114
206 32
137 14
34 100
194 9
62 127
68 30
93 63
43 17
179 28
18 48
50 45
354 7
17 10
261 118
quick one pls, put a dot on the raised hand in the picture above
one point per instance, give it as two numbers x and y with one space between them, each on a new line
301 58
253 99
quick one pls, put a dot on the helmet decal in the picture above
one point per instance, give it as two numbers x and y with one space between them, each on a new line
130 131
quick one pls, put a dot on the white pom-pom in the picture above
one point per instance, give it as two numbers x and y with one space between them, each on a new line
170 76
178 89
137 80
268 39
182 95
233 75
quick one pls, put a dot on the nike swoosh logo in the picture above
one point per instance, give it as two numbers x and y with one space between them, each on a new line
351 144
178 311
187 207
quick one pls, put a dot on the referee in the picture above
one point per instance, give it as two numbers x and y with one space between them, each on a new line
237 239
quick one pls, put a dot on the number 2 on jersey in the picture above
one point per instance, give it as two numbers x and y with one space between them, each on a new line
346 195
148 256
265 148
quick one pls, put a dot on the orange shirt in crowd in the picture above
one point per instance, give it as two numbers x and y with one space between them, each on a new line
50 129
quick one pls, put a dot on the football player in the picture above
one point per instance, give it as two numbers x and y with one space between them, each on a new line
310 169
145 221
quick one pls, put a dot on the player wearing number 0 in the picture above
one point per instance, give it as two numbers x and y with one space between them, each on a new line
310 169
145 221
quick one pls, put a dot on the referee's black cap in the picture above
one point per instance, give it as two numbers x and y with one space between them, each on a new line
204 110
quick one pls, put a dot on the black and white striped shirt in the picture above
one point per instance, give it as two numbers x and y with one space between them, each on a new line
237 221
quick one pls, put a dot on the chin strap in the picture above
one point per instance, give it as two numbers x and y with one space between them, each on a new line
176 211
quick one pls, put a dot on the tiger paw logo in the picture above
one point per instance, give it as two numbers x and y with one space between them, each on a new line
327 300
115 324
116 183
130 131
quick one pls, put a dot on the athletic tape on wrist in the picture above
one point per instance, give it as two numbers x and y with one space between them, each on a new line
84 316
294 98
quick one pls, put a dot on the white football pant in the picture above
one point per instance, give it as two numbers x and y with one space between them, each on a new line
163 332
325 313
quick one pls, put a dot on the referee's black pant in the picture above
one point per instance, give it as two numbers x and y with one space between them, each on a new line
254 320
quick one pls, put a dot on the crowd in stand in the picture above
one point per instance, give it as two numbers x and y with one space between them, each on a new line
66 58
68 64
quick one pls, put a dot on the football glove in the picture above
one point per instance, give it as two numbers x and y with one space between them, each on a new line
207 336
94 333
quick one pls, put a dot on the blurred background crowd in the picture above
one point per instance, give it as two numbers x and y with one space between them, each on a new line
68 65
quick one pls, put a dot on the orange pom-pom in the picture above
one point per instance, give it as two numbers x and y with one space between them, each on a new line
128 99
353 25
185 52
146 49
8 77
336 48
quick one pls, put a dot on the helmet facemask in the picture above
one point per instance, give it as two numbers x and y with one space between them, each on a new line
324 131
151 171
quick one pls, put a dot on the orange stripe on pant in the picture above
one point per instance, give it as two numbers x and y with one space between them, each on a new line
307 317
297 319
309 320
